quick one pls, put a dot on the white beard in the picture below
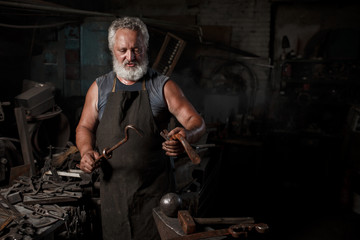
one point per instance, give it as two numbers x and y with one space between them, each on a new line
133 74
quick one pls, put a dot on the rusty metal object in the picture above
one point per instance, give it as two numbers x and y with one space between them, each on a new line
106 153
15 197
12 209
35 221
6 222
42 191
46 199
37 209
188 223
194 157
8 212
220 221
22 230
169 228
235 231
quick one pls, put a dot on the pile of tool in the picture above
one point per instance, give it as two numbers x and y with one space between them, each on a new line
35 207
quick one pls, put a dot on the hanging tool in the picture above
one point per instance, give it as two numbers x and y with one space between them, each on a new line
106 153
194 157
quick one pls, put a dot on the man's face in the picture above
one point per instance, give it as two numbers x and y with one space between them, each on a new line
129 55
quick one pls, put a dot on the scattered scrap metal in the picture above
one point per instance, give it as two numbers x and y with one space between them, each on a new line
35 207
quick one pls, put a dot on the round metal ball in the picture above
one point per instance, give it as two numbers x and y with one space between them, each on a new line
170 204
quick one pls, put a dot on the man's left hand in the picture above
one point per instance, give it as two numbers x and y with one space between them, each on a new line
174 147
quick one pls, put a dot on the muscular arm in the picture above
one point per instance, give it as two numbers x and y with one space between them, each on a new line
185 113
85 131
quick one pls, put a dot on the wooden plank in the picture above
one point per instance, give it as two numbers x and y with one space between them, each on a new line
24 136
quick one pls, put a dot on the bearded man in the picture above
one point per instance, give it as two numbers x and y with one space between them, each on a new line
139 172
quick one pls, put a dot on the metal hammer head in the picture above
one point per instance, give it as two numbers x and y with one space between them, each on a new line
186 221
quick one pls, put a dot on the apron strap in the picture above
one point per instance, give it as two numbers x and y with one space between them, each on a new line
114 84
143 84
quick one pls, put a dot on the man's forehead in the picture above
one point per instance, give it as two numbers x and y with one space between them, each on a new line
128 35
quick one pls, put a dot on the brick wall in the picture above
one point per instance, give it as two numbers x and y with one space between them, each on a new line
249 19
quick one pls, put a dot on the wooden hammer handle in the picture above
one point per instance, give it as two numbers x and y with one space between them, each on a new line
188 223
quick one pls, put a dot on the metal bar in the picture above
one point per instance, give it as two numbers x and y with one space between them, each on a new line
35 26
106 153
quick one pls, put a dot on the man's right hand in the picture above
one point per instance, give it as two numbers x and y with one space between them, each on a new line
87 162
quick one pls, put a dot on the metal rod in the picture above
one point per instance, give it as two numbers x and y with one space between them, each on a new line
106 153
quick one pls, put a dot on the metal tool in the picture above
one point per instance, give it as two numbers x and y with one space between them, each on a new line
235 231
9 213
194 157
22 230
106 153
12 209
188 223
42 211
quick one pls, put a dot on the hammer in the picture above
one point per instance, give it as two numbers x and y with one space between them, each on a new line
188 223
236 231
194 157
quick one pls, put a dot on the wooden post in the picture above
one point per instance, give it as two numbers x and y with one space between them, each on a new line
24 136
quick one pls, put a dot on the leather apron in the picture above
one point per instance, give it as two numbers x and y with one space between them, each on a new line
138 174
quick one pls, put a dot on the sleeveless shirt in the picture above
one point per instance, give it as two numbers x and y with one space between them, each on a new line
154 83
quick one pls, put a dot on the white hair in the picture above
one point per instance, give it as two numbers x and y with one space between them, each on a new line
132 23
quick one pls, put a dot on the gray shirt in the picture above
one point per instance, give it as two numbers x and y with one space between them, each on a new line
154 85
